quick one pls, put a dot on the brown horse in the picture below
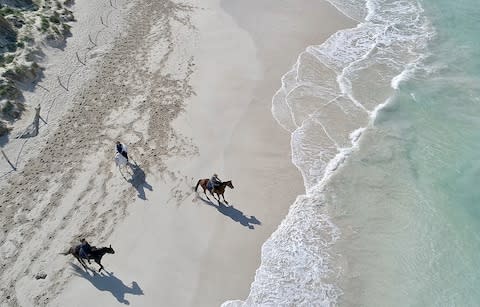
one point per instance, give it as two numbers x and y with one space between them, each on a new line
219 190
96 254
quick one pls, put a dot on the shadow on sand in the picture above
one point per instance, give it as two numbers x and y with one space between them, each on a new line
234 214
4 139
109 282
138 179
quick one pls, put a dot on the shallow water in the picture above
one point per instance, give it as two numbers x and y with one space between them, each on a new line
408 199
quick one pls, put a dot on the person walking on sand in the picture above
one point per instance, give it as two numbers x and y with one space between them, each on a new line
122 149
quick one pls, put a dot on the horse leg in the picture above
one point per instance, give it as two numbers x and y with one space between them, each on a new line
101 266
213 194
218 199
205 192
224 199
81 262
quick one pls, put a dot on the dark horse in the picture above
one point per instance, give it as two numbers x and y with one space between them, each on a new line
96 254
219 190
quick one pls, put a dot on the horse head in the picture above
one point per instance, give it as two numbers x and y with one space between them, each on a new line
229 184
110 250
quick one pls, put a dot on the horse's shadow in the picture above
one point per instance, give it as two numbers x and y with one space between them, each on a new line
138 179
109 282
234 214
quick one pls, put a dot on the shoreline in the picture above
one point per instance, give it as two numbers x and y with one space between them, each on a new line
216 74
294 36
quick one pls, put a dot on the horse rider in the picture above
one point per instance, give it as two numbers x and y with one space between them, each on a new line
85 250
214 182
122 149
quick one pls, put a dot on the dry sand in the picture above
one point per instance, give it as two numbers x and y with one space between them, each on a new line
188 87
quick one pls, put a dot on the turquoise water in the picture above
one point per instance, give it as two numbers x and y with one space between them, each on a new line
385 123
410 195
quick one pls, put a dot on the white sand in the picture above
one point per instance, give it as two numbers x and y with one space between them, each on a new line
172 248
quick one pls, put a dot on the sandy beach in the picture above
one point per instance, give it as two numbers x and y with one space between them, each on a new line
188 87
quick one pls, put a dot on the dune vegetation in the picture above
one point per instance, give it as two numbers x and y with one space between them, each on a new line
24 25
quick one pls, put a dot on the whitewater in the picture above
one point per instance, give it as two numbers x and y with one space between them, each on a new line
330 102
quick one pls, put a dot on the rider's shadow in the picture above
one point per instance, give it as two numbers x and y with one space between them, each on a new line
109 282
138 180
235 214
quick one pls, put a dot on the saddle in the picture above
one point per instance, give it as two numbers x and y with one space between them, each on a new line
77 249
211 185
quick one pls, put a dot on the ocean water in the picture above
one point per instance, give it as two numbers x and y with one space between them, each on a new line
385 123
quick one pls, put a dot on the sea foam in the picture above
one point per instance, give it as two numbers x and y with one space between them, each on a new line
327 100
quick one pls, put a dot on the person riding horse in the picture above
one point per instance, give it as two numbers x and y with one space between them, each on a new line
213 183
122 149
85 250
215 186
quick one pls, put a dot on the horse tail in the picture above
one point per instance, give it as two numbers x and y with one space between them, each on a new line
198 183
68 252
